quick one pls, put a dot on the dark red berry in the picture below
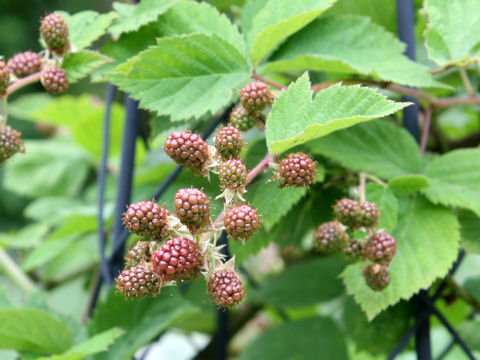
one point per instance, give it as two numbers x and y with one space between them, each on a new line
187 149
54 30
354 250
138 282
193 208
229 142
345 211
10 143
54 80
139 253
232 174
146 218
242 119
226 288
330 237
255 96
367 214
25 64
241 222
297 170
177 259
380 248
4 77
377 276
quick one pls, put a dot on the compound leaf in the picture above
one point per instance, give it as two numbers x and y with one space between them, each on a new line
80 64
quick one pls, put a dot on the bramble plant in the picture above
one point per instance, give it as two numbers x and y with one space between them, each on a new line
273 182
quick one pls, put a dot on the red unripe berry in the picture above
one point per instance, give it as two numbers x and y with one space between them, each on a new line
377 276
367 214
193 208
242 119
54 80
255 96
330 237
241 222
25 64
4 77
226 288
380 248
54 30
229 142
187 149
232 174
297 170
138 282
345 211
146 218
10 143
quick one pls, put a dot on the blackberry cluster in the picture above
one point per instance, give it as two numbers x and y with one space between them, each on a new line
10 143
241 222
54 30
25 64
146 218
232 174
242 119
330 237
255 96
226 288
138 282
187 149
297 170
54 80
4 77
177 259
229 142
193 208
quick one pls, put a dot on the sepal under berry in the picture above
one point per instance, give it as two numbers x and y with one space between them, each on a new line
138 282
10 143
377 276
241 222
255 96
193 208
225 288
25 64
380 248
242 119
146 218
54 80
296 170
330 237
54 30
229 142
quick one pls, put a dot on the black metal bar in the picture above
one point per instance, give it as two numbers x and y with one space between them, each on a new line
124 183
222 335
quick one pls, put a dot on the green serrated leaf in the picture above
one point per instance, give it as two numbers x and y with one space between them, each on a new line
142 320
387 204
301 285
96 344
455 179
409 184
453 30
469 230
378 148
132 17
184 76
332 109
33 330
280 342
271 202
188 17
423 228
80 64
280 19
86 26
342 44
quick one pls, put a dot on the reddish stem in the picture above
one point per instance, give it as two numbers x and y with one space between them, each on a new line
426 130
23 82
269 82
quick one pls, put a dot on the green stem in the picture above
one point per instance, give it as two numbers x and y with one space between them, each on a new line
361 186
16 274
466 82
463 294
377 180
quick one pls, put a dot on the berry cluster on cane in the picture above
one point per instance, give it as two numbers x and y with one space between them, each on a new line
377 247
54 31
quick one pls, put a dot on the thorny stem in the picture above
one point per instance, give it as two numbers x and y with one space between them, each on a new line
361 186
15 273
466 82
426 130
23 82
267 81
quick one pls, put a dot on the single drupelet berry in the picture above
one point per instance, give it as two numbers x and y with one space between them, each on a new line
242 119
10 143
146 218
345 211
377 276
232 174
241 222
193 208
24 64
226 288
138 254
330 237
297 170
229 142
4 77
54 30
54 80
138 282
380 248
354 250
177 259
187 149
255 96
367 214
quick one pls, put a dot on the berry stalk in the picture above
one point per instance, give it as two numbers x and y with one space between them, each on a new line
20 83
15 273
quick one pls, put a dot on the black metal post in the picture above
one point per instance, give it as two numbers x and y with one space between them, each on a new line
222 335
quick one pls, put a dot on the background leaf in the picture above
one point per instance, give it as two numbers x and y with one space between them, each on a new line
387 204
408 184
80 64
469 230
332 109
